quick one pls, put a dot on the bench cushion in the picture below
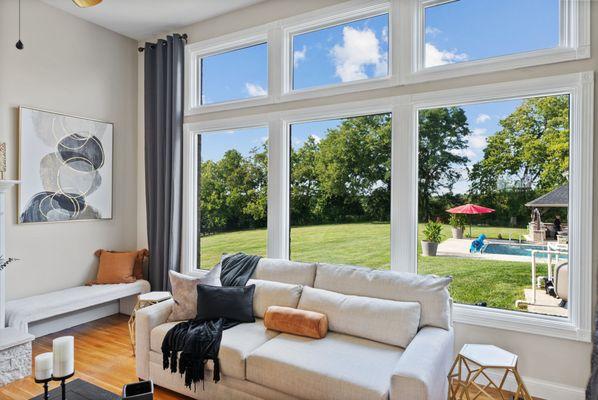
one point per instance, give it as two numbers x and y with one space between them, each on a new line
20 312
328 368
237 343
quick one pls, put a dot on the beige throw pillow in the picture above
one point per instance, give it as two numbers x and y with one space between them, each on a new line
184 293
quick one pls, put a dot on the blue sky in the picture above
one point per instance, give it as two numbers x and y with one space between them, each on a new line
468 30
455 32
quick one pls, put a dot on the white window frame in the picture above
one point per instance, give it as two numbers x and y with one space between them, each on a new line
190 163
580 87
574 44
330 17
195 52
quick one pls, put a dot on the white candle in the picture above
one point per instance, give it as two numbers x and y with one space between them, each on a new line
43 366
64 356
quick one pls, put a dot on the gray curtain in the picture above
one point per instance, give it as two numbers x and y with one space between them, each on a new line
164 63
592 389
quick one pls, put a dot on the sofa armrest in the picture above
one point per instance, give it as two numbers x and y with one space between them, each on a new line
147 319
421 373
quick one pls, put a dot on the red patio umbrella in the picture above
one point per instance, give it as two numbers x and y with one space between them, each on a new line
470 209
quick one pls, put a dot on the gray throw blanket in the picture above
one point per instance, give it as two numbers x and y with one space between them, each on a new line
199 341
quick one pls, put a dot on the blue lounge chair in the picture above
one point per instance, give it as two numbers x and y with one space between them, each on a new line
477 244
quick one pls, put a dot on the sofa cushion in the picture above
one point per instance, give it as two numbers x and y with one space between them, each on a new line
429 290
270 293
237 343
386 321
272 269
328 368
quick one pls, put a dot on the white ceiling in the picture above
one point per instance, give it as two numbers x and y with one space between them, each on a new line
141 19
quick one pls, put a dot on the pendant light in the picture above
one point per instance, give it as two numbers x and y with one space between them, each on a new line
86 3
19 44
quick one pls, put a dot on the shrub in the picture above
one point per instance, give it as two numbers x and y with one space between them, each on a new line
457 221
433 232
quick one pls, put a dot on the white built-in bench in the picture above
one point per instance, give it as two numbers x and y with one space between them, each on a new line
54 311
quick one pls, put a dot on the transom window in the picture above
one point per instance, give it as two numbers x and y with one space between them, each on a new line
235 75
468 30
348 52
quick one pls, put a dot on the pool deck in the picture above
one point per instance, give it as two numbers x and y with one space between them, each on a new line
545 304
460 248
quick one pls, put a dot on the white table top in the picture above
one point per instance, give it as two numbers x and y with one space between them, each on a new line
487 355
155 296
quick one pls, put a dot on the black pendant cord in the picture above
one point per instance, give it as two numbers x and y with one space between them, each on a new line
19 44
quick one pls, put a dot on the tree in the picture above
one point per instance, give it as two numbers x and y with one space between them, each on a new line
443 136
530 152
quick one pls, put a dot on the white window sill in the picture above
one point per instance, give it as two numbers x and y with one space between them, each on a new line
230 105
535 324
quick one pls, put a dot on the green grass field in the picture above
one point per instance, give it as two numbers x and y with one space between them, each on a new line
499 283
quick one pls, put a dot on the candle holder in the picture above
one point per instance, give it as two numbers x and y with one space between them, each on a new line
45 383
62 380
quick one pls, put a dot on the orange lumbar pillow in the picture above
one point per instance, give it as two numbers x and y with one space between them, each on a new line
115 267
298 322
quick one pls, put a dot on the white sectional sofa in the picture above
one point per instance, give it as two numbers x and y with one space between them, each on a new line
390 337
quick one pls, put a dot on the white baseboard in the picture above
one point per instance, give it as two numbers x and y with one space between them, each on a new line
543 389
65 321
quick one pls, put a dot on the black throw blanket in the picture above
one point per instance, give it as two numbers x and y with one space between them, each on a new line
199 340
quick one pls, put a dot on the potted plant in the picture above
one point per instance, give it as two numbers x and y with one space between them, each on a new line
457 223
432 236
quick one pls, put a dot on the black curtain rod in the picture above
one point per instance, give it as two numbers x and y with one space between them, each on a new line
184 36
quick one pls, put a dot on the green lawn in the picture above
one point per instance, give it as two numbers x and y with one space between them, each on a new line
498 283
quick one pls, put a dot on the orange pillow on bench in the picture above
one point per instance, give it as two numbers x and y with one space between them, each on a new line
115 267
298 322
139 260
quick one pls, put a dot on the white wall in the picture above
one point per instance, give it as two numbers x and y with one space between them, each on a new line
70 66
553 368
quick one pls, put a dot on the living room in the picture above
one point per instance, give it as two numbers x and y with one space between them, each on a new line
317 199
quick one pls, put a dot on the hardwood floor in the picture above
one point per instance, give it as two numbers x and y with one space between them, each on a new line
103 356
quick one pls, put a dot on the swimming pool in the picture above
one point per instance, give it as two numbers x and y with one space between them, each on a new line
515 249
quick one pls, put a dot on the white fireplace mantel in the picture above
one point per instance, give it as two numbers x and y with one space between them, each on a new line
5 186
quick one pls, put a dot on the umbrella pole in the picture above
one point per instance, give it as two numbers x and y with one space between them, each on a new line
471 237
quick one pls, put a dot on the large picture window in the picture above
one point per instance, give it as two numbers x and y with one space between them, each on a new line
494 184
340 191
232 187
370 166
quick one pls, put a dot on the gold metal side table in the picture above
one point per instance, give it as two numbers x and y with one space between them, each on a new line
469 376
145 300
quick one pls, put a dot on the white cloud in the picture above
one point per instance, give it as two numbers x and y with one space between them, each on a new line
299 55
477 140
385 34
430 30
255 90
316 138
435 57
469 153
481 118
359 49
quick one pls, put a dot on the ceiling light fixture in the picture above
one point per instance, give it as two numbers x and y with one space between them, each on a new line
19 44
86 3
